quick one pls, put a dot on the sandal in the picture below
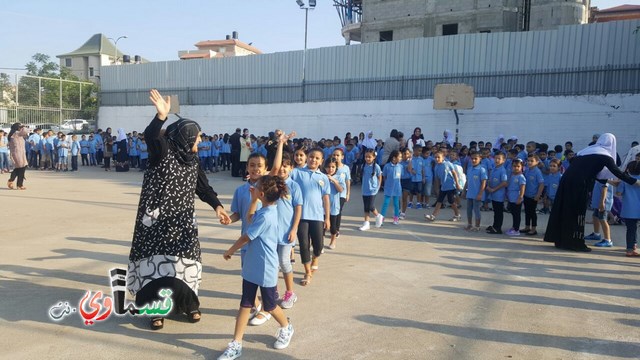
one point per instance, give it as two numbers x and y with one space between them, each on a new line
10 184
195 316
632 253
307 280
532 232
22 188
157 323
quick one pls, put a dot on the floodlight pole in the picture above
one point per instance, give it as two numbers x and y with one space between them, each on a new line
304 53
455 111
115 44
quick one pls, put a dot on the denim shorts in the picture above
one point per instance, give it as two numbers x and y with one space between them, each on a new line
416 188
407 184
427 187
602 215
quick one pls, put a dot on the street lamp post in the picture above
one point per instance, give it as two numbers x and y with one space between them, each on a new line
115 43
310 5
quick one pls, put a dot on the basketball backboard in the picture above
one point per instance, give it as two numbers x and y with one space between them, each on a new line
453 97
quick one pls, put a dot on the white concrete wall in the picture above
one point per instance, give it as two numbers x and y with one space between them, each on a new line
552 120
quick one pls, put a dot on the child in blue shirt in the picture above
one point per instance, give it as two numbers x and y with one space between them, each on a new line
371 180
405 181
498 181
532 194
445 173
84 150
92 150
475 186
260 268
427 169
337 185
552 182
416 168
144 154
289 214
601 203
631 208
203 150
392 175
344 173
63 153
75 150
515 195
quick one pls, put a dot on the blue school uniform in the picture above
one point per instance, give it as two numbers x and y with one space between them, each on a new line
84 147
498 176
534 179
344 173
392 175
596 198
474 181
286 209
443 173
92 146
63 148
379 156
226 147
260 264
240 204
552 183
513 189
314 185
75 148
350 157
202 149
428 167
417 163
370 184
142 147
334 197
327 151
630 200
133 150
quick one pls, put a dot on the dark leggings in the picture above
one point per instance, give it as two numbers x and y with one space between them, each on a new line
498 214
530 216
310 233
516 209
19 173
339 216
85 159
333 220
107 162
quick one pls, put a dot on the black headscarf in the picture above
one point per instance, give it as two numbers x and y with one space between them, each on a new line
181 135
14 128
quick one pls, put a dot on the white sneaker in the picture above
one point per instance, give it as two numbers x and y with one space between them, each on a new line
365 226
456 218
379 220
289 299
429 217
402 216
283 337
233 351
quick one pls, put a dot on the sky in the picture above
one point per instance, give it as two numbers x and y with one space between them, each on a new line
158 29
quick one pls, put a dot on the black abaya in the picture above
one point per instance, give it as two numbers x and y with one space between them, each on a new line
567 219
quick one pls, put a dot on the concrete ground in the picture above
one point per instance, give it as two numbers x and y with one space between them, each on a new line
414 291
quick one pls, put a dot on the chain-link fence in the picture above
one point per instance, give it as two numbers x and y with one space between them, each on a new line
46 103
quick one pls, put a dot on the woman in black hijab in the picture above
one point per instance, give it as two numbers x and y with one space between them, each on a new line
165 252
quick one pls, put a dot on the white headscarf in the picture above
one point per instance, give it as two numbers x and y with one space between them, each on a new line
631 156
448 137
606 145
369 143
121 135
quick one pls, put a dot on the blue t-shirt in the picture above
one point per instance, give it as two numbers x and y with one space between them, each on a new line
630 200
63 148
314 185
4 143
596 196
133 149
428 167
498 176
513 189
84 147
334 197
142 147
552 183
286 210
370 185
240 204
49 143
75 148
474 181
260 264
202 149
92 146
417 164
327 151
226 147
350 157
379 156
443 173
344 173
405 170
534 179
392 175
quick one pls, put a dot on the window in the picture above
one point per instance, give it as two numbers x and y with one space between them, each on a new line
450 29
485 31
67 62
386 35
91 72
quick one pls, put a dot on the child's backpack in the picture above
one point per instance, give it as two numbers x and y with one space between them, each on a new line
462 178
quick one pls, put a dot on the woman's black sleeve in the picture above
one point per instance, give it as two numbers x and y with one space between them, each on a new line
615 170
156 143
205 191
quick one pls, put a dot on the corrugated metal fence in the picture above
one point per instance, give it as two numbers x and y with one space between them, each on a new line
573 60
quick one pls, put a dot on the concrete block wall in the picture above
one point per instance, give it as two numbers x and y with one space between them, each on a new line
552 120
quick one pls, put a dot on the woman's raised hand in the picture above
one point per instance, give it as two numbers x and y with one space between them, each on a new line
162 104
